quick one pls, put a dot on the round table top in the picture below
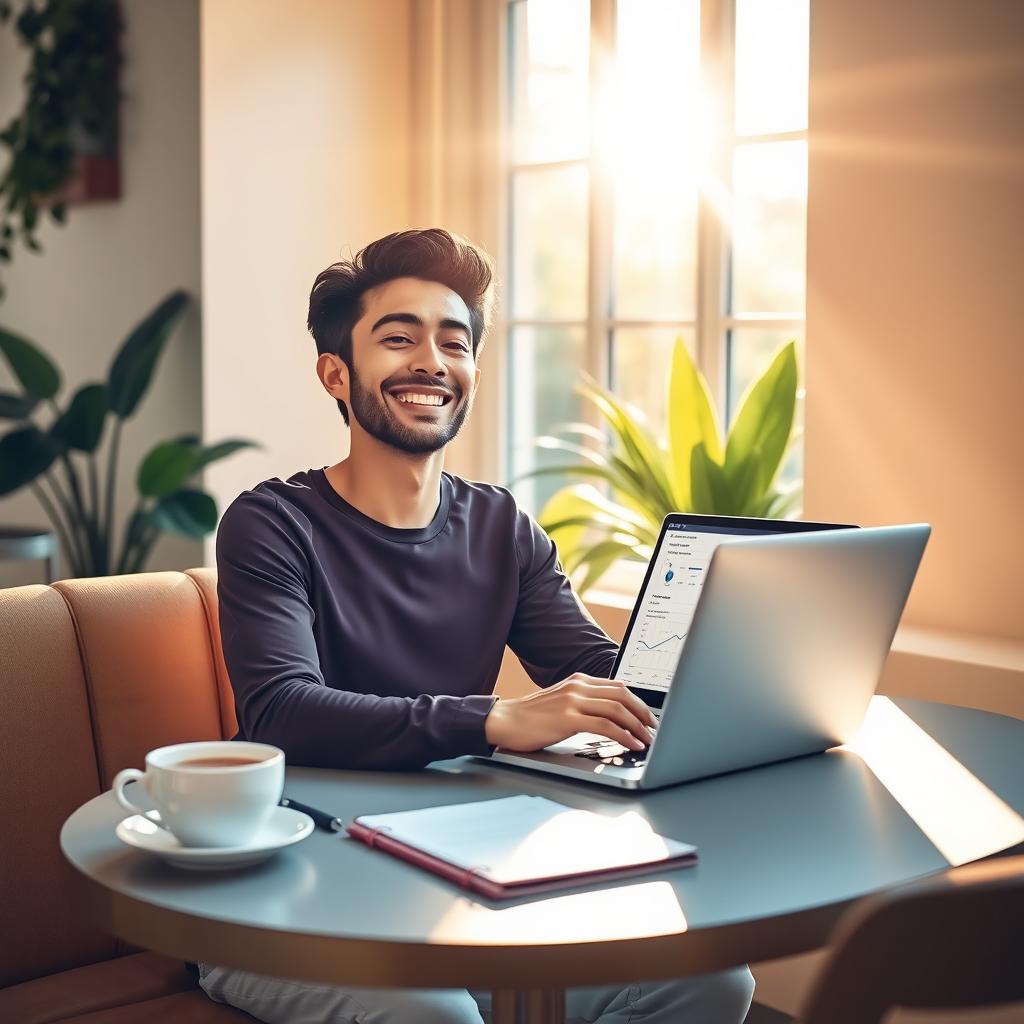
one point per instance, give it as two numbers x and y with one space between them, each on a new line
784 849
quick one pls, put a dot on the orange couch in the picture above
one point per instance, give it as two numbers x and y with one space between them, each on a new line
93 674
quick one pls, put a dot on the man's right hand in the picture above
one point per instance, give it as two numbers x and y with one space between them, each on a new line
580 703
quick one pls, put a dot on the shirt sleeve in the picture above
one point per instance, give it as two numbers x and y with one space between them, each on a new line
552 633
281 696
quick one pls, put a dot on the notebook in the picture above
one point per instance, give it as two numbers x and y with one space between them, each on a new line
521 845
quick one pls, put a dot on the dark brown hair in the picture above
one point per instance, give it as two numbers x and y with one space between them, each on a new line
336 300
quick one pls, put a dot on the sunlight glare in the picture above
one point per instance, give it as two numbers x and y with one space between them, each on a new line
627 912
961 816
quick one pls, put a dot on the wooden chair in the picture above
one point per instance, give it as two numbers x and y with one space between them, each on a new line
948 942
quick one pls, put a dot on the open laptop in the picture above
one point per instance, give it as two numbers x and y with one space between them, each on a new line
752 641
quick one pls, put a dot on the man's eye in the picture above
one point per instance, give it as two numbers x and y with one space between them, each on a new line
398 337
458 346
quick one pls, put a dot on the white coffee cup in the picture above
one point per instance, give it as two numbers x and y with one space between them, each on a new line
213 804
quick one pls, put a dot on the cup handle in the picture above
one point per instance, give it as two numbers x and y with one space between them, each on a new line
121 779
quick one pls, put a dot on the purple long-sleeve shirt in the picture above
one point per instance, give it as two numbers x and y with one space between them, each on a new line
353 644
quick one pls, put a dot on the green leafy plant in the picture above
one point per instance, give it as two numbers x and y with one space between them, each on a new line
33 456
70 107
694 470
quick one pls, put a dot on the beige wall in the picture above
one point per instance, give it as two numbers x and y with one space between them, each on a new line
914 280
306 157
914 363
114 261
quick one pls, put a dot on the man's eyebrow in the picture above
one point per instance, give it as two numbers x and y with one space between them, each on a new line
411 318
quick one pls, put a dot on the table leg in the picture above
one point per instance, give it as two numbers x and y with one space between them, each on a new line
532 1006
542 1006
504 1007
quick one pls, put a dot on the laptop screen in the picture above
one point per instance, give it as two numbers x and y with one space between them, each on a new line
668 598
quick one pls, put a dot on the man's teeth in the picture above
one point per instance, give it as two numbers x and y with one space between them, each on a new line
414 399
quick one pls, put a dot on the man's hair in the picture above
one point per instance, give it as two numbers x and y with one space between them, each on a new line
336 300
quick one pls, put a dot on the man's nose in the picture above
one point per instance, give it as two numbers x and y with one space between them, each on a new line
427 359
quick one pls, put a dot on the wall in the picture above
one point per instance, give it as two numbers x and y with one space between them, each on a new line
914 364
114 261
306 157
914 361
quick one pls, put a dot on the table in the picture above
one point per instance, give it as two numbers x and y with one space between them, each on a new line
784 849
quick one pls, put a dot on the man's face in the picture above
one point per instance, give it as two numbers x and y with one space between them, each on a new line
413 372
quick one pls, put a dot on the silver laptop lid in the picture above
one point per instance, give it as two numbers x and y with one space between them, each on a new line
785 649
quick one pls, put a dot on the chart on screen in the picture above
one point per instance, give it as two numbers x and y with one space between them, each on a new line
666 609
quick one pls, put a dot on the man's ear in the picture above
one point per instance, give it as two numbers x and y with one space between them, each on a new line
476 380
333 373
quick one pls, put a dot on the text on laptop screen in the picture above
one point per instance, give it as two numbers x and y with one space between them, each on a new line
662 621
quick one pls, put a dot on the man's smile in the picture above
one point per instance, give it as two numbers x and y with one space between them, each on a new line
421 396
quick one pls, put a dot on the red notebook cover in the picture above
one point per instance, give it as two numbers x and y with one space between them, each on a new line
477 881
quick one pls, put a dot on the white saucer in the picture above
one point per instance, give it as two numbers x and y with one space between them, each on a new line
285 827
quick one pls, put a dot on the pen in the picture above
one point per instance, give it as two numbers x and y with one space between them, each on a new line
324 820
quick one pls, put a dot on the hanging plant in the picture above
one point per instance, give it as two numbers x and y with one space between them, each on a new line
69 117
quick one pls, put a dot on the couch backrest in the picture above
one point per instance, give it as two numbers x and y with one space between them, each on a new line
93 674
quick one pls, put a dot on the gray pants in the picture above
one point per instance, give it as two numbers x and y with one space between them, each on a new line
719 998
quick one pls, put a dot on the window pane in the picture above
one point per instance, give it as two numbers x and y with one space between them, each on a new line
654 130
771 65
751 350
549 243
641 361
550 58
769 228
544 365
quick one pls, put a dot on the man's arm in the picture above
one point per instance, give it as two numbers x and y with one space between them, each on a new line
280 694
556 639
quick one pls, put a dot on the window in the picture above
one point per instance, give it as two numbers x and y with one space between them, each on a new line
656 187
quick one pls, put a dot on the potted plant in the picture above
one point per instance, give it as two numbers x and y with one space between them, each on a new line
43 456
693 470
62 145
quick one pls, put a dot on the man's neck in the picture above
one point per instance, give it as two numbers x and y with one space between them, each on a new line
395 489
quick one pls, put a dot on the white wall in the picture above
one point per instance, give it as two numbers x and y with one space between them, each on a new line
114 261
306 157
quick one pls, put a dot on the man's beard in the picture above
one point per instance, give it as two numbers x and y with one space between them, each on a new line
380 422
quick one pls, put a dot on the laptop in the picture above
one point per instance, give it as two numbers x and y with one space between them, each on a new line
752 641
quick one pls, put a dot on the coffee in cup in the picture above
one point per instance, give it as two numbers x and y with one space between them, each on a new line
214 793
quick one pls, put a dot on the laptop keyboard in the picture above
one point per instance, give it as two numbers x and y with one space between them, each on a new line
609 752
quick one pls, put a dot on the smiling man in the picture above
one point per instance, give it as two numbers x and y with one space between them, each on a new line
365 606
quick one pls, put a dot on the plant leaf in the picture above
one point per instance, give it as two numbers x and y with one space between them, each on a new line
16 407
600 558
611 476
165 469
590 501
691 421
640 449
24 454
779 504
761 430
188 513
35 371
220 450
564 504
710 491
80 426
132 367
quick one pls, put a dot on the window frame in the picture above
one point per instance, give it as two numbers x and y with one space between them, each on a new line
715 322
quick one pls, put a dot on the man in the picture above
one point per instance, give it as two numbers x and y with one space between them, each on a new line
365 607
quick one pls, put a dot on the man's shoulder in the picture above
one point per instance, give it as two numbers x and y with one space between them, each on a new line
271 499
481 502
481 493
